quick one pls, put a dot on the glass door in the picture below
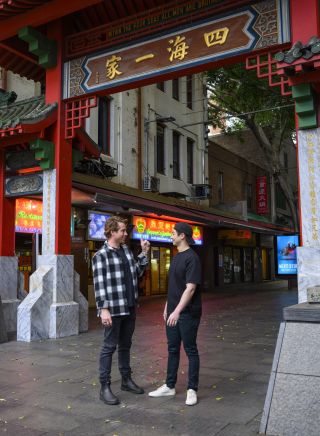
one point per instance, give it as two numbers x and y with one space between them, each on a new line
236 265
155 269
227 265
165 260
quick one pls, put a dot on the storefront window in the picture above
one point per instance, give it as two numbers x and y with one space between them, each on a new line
247 264
227 265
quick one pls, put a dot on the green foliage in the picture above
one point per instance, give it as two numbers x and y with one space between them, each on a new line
239 98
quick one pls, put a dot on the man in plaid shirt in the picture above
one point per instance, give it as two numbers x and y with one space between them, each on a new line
115 278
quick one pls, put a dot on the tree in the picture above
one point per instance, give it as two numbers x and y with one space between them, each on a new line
237 95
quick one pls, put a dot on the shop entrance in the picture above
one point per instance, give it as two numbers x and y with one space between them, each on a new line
160 260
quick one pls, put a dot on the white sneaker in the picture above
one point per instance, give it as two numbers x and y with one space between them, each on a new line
191 397
163 391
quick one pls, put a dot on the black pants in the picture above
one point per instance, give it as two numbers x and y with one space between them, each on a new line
119 334
186 331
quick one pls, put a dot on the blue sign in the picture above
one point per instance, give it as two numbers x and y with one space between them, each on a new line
96 225
287 254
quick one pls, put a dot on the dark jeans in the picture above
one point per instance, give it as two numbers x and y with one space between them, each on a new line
186 331
119 334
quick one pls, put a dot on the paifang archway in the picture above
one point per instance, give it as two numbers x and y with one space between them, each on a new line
90 48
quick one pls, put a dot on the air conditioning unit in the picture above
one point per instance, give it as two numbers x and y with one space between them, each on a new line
151 184
202 191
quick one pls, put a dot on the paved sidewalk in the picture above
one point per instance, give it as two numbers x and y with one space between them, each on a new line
51 387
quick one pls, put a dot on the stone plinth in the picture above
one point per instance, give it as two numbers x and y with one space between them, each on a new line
292 402
3 328
54 307
308 270
9 290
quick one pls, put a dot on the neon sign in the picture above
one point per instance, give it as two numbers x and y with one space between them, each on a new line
160 230
28 216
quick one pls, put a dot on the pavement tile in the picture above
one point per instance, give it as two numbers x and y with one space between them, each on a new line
51 387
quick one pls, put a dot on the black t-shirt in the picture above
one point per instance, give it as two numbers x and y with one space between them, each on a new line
185 268
127 278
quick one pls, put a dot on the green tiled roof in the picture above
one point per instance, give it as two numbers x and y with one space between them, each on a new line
299 50
30 111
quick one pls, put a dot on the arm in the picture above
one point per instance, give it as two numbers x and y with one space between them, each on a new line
184 301
142 261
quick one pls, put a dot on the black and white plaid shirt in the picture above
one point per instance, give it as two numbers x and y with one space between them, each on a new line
108 278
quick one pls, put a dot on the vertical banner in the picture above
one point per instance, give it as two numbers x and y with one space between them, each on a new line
309 166
262 195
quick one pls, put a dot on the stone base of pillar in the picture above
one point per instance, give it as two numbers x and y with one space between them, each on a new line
10 314
54 306
3 328
291 406
64 320
9 291
308 270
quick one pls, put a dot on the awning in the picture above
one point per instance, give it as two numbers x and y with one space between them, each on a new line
134 200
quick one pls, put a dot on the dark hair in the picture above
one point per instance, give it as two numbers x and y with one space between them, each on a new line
112 225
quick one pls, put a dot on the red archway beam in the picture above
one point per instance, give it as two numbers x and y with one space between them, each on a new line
266 67
76 112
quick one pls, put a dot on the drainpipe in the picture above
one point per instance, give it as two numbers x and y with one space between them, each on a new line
139 138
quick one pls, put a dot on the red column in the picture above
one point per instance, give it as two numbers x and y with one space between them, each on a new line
63 149
304 17
7 215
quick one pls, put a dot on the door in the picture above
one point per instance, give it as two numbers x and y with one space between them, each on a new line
227 265
247 265
160 264
236 265
265 265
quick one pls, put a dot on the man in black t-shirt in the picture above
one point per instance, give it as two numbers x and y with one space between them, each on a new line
182 314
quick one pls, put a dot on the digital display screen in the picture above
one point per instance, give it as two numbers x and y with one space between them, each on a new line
287 254
97 222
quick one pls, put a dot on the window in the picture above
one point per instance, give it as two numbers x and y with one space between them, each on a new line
190 146
189 92
281 202
175 89
248 195
104 125
220 187
176 155
160 149
160 85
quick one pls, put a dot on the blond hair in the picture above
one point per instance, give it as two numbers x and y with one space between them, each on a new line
112 224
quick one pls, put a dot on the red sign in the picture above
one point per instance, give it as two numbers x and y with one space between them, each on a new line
28 216
262 195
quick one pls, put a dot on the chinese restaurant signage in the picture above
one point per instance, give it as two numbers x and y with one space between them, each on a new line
262 195
28 216
160 230
309 164
234 234
199 44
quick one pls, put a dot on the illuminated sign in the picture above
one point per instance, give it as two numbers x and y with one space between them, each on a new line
234 234
96 225
160 230
287 254
28 216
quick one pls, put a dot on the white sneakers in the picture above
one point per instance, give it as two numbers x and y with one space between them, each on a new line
165 391
191 397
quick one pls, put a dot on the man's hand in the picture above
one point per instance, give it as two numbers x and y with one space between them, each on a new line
165 314
106 319
173 319
145 245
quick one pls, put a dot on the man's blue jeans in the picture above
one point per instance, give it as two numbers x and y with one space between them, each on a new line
186 331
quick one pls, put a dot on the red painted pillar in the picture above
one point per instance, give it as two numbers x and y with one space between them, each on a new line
63 149
305 23
7 215
304 18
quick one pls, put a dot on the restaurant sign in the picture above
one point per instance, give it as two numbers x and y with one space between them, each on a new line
253 27
28 215
160 230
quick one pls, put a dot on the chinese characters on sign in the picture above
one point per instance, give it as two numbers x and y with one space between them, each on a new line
262 195
159 230
309 163
28 216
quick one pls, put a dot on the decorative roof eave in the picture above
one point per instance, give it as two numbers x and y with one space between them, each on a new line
25 116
